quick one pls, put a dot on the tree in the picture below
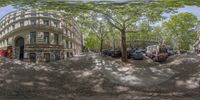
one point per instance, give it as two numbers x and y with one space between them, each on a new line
122 21
100 28
118 15
94 23
180 31
92 42
121 15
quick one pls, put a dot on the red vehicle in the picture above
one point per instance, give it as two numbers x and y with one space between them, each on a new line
157 52
3 53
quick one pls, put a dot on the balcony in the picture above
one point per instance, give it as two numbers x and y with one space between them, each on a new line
42 47
5 23
36 27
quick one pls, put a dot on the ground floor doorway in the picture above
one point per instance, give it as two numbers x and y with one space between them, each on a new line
19 47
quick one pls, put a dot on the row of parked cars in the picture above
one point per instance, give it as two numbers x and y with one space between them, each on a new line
157 53
134 53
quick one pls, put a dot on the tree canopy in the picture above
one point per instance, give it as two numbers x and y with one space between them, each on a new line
121 16
180 30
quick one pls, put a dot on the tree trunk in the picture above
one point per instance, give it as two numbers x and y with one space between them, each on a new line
123 46
101 45
113 38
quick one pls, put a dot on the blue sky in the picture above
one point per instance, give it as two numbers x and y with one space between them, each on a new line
192 9
5 10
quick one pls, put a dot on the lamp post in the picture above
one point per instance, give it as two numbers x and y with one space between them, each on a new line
100 33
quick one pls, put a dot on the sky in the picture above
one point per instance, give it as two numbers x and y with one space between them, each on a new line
5 10
192 9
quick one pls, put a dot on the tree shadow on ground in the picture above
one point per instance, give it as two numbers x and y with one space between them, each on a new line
82 76
55 81
178 75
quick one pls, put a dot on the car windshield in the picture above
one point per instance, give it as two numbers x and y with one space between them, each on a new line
138 51
163 50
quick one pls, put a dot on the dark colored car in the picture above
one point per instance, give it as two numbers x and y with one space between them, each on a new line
170 52
143 50
137 55
129 52
107 52
116 53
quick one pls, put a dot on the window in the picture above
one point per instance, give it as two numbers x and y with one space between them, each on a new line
56 24
46 37
14 14
33 22
21 23
71 45
32 57
13 26
14 18
162 50
46 22
56 38
47 57
22 16
7 41
32 37
54 15
67 46
33 14
46 14
57 55
7 29
9 17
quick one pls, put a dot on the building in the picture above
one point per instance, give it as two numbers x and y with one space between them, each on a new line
38 36
196 46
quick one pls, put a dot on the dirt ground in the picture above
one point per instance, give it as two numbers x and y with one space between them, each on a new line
91 77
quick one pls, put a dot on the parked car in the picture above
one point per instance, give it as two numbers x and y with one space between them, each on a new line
137 55
105 51
157 52
143 50
116 53
170 51
130 51
3 53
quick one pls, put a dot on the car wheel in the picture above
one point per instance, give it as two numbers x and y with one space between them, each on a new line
154 59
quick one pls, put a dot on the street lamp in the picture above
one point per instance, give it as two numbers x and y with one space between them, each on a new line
99 18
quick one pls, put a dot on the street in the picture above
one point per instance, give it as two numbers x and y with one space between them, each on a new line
91 77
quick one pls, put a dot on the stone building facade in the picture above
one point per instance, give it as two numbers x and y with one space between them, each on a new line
196 46
38 36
